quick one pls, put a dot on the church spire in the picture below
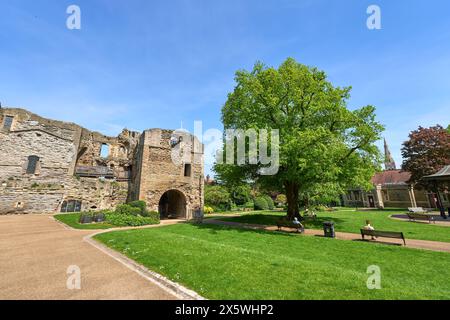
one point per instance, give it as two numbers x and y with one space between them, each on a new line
389 162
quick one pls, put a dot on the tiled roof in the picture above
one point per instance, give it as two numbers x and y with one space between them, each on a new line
391 177
444 173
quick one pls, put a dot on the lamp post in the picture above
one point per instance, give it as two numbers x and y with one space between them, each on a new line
439 201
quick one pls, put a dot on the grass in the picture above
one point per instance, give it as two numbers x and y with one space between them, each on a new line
226 263
352 221
72 220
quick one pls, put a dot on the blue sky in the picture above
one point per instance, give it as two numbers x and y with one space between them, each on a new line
142 64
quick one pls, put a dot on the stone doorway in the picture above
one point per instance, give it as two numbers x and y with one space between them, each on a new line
172 205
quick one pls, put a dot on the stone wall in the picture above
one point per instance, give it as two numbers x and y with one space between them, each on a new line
57 145
70 166
29 196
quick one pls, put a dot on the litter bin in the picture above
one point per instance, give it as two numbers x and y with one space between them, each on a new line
99 217
198 216
86 218
328 229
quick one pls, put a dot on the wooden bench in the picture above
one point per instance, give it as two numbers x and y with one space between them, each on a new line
383 234
290 224
420 216
418 210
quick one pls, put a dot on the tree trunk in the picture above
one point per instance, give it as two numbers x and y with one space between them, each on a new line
292 200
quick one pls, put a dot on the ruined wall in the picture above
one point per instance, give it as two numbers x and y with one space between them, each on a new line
158 172
57 146
70 166
24 196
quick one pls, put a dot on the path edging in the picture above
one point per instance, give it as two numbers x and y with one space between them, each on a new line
164 283
169 286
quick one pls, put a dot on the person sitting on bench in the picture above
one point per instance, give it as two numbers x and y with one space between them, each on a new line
296 222
368 226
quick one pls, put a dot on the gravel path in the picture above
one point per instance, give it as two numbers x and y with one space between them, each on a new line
36 251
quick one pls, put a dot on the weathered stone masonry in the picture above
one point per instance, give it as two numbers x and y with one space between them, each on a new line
48 166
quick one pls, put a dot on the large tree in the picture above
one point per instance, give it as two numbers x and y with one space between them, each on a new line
426 152
324 146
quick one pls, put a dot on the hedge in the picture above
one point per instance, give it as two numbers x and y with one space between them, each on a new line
260 203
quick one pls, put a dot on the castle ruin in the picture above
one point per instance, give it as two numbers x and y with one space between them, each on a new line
49 166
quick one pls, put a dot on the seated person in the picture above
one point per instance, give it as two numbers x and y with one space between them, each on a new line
299 225
368 226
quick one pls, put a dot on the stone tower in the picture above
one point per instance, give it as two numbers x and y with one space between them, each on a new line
389 162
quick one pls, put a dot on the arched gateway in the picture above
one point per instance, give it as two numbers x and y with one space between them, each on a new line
172 205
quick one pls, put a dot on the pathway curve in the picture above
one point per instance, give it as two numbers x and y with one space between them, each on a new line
36 251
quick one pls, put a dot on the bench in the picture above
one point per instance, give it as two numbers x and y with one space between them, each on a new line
290 224
420 216
383 234
418 210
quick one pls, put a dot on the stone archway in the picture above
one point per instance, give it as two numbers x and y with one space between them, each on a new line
172 205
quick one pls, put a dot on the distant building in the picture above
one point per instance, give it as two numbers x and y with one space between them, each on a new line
391 188
209 181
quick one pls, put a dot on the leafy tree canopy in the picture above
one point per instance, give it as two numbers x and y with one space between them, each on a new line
426 152
322 141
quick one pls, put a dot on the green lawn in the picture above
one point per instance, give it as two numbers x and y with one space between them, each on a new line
71 219
227 263
352 221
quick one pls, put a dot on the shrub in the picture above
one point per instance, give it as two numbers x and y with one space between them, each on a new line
127 210
260 203
218 198
281 200
321 207
270 203
123 220
153 215
208 210
249 205
241 194
139 204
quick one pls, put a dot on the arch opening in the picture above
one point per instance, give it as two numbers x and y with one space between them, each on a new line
172 205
